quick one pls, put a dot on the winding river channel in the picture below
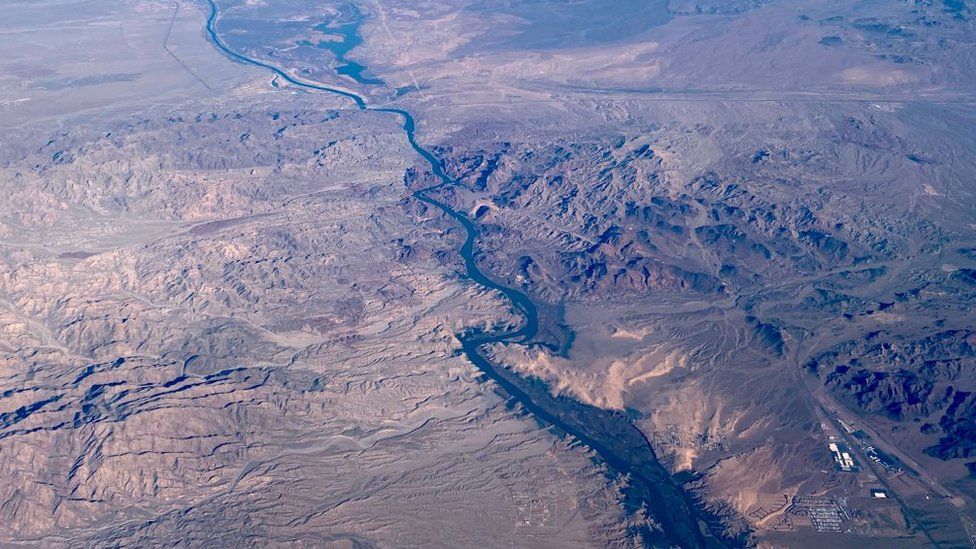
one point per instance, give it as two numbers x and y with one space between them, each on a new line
618 443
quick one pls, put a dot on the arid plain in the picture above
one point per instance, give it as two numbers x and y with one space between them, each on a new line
747 231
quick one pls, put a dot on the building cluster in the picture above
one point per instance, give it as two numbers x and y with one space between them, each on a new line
842 457
674 437
825 514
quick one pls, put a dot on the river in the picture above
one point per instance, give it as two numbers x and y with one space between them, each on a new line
613 437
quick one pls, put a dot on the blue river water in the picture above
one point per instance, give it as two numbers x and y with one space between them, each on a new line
348 33
621 447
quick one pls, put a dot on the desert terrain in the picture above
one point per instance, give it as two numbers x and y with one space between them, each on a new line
456 273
